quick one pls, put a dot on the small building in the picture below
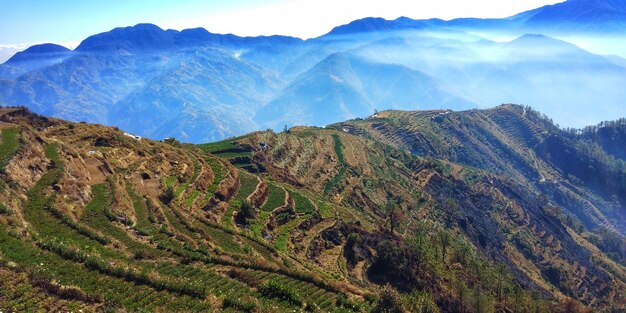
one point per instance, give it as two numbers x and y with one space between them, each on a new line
132 136
91 152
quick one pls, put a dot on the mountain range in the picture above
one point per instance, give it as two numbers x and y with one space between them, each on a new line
198 86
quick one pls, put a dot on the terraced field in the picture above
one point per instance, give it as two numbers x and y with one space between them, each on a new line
306 220
145 236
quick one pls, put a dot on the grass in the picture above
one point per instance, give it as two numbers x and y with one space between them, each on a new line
338 151
95 216
9 146
113 291
259 222
192 197
275 198
142 213
342 163
303 204
223 145
218 174
282 234
169 181
326 210
247 185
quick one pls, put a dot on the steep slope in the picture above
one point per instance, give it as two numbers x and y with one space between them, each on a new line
95 218
491 182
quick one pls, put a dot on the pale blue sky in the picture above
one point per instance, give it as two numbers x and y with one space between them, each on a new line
70 21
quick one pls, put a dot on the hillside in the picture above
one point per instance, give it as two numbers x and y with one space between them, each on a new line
318 219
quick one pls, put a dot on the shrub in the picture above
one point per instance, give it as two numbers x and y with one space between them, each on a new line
343 302
246 213
389 301
141 255
421 302
4 209
277 290
167 196
238 304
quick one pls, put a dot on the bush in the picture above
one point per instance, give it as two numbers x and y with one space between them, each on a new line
246 213
4 209
238 304
421 302
343 302
276 290
168 195
389 301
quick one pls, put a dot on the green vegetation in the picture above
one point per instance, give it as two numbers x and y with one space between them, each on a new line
9 145
230 302
342 165
226 148
247 185
143 214
440 242
275 198
191 198
303 204
277 290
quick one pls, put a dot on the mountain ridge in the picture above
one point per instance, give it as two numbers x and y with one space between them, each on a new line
243 83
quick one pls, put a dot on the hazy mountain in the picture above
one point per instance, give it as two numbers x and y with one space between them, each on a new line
354 87
154 81
33 58
577 15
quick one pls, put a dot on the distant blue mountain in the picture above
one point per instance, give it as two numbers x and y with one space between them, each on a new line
569 16
199 86
149 37
344 86
33 58
578 15
38 52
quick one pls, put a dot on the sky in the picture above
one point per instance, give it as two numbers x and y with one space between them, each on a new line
24 22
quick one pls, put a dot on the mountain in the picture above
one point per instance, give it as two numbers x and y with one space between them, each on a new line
577 15
37 52
162 83
456 210
353 87
572 16
35 57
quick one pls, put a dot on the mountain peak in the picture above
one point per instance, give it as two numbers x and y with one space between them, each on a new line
579 15
36 52
141 37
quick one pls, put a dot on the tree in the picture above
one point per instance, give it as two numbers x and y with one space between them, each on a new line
421 302
389 301
445 240
246 213
422 251
167 196
393 210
